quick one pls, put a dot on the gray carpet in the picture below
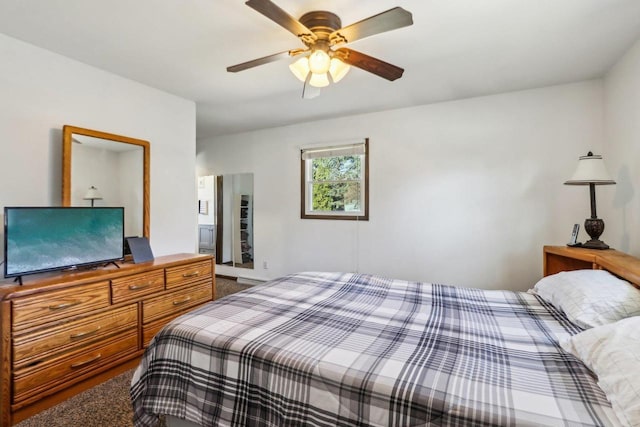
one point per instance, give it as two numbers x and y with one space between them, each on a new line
106 405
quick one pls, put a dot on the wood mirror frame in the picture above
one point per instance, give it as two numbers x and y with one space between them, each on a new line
67 144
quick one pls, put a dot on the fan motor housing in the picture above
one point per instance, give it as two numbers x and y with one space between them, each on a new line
321 22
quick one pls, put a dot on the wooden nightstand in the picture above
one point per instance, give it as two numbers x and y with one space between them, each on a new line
564 258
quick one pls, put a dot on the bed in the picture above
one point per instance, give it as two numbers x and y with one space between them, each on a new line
344 349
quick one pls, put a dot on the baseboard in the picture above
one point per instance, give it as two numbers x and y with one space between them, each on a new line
249 281
222 276
242 280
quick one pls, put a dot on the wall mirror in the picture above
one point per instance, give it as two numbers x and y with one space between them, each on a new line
225 218
104 169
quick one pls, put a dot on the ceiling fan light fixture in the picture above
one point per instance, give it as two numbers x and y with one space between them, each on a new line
300 68
338 69
322 34
319 80
319 61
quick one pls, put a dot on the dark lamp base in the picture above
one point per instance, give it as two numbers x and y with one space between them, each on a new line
594 228
594 244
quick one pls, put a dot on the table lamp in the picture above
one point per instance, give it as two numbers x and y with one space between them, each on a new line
591 170
92 194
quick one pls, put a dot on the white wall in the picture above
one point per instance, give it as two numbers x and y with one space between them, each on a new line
97 167
118 177
42 91
131 190
206 194
463 192
621 212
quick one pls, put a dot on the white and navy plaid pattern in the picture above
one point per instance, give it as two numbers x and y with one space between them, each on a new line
333 349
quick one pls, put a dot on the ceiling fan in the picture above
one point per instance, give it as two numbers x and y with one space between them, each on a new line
324 59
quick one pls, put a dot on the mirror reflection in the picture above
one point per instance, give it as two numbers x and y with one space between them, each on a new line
225 218
101 169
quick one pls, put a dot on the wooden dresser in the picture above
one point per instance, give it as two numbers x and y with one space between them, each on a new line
65 332
564 258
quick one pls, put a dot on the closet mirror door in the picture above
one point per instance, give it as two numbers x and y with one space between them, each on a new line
104 169
230 224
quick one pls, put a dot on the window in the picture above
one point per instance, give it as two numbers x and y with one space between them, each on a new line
335 182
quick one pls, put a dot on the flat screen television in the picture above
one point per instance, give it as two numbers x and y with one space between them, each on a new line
39 239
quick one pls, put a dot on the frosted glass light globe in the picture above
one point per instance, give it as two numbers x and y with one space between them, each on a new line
338 69
319 62
319 80
300 68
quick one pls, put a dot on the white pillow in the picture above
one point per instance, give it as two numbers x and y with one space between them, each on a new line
612 352
590 298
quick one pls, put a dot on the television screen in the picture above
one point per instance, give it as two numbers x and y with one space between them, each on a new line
38 239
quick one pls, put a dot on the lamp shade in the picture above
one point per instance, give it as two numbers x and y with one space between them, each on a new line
300 68
319 61
590 170
319 80
313 69
338 69
93 194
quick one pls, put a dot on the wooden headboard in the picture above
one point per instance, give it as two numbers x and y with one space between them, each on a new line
564 258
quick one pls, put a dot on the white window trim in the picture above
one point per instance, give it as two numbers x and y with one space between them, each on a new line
359 148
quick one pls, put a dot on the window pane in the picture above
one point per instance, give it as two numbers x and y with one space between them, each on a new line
336 168
336 197
335 182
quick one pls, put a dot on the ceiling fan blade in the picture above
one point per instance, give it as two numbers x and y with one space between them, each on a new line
282 18
386 21
264 60
370 64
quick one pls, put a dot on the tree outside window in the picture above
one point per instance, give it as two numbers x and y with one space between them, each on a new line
335 182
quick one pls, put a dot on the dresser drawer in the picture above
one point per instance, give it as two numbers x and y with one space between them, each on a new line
66 369
151 329
175 302
47 307
188 273
137 285
34 348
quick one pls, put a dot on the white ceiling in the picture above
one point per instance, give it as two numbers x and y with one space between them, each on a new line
455 49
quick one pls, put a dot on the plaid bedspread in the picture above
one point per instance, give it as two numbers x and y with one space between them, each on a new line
333 349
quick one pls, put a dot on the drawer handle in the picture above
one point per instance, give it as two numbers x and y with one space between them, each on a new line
187 299
86 362
194 274
84 334
139 287
63 305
